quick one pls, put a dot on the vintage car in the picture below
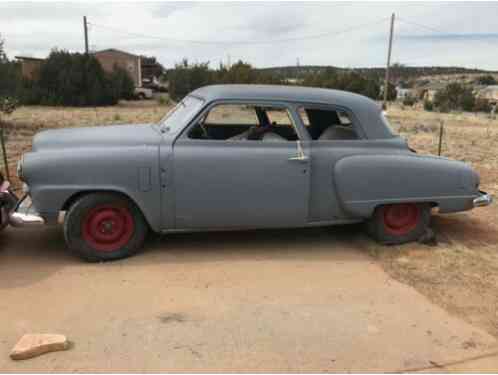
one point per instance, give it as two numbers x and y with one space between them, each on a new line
237 157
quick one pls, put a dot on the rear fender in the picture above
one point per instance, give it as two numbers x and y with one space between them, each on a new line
364 182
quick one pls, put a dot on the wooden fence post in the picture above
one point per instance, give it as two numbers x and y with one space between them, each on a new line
441 133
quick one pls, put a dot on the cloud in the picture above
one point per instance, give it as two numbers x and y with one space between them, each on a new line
353 34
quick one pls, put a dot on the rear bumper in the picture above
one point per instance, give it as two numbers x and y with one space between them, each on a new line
483 200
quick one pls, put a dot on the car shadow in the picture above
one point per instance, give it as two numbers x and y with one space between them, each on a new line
31 255
344 242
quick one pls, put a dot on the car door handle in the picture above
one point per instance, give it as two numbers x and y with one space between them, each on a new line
301 158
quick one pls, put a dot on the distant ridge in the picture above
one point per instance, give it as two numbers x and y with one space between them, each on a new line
401 71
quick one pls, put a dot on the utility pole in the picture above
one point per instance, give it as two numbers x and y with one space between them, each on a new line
85 28
386 83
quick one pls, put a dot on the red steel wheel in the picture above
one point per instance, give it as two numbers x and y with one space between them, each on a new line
401 219
108 227
104 226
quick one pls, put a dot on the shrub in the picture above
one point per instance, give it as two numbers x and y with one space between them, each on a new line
122 84
455 96
487 80
409 101
163 100
186 77
481 105
428 106
74 80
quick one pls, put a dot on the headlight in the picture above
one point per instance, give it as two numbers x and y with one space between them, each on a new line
19 168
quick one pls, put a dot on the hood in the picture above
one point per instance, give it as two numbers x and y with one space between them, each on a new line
99 136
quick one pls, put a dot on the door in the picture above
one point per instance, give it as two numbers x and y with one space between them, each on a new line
240 183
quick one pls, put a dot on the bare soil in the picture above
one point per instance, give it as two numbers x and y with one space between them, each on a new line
277 300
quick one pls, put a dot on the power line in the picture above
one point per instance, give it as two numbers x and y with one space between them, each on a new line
430 28
244 42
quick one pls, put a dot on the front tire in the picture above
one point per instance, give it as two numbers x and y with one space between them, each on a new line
104 226
396 224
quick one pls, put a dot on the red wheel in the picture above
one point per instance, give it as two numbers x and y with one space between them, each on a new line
104 226
108 228
399 223
400 219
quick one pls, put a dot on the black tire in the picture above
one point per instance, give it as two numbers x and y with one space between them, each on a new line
104 226
416 222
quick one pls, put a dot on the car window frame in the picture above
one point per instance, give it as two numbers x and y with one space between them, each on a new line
301 135
165 129
355 124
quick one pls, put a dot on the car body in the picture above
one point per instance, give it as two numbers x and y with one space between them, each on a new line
294 157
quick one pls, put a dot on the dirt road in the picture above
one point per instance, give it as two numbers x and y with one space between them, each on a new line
290 300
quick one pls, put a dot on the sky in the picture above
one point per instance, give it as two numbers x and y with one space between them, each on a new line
265 34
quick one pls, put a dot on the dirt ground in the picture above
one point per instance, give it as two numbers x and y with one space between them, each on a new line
257 284
302 300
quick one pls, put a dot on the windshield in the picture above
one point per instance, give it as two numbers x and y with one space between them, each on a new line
387 124
181 114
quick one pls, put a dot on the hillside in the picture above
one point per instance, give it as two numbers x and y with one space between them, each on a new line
397 71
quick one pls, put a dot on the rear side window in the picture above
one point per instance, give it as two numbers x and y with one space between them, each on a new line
327 124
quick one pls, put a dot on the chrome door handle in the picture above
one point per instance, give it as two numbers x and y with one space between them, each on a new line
301 158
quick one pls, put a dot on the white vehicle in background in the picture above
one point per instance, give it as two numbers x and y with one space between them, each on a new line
142 93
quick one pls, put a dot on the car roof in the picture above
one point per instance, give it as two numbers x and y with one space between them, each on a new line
365 109
280 92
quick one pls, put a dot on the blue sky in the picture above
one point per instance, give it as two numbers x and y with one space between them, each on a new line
348 34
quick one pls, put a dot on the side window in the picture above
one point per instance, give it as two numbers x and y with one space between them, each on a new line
232 114
278 116
240 122
327 124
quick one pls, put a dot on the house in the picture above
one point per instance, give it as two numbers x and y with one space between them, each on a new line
109 58
152 70
489 93
30 66
402 93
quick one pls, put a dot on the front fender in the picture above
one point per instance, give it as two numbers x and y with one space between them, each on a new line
364 182
56 176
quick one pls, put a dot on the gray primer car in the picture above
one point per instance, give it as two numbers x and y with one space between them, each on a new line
185 174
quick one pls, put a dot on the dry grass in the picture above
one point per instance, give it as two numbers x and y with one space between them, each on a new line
467 137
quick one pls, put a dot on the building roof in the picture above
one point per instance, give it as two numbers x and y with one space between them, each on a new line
116 51
366 110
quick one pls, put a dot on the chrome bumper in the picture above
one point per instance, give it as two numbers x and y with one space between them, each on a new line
24 214
484 199
8 202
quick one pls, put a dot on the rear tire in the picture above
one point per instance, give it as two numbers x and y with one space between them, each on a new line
104 226
396 224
